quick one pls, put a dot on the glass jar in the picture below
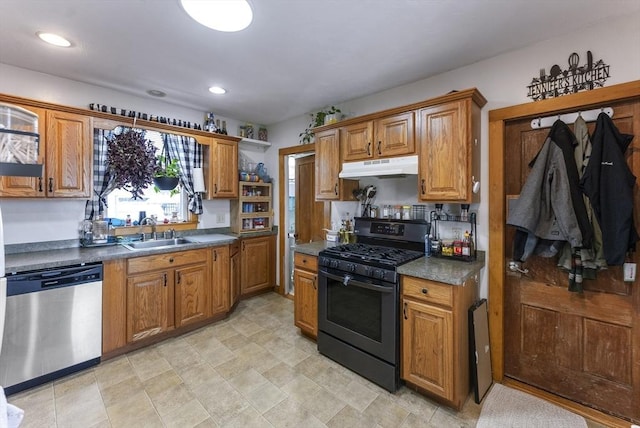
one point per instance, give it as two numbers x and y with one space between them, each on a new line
100 230
406 212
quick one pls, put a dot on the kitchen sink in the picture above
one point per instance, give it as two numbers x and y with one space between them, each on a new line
155 243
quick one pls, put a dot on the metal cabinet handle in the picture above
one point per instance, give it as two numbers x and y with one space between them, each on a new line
215 188
215 255
40 184
404 311
379 147
165 279
178 278
424 291
171 260
369 148
50 184
422 186
315 287
335 189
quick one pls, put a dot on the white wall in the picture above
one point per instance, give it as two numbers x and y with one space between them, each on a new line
502 80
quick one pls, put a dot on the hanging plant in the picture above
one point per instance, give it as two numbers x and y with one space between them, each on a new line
131 159
167 175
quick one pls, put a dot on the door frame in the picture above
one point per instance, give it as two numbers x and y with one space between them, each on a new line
497 215
283 154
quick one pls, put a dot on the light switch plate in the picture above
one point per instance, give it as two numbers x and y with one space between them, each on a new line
629 270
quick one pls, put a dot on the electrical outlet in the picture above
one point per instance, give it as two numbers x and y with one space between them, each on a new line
219 218
629 270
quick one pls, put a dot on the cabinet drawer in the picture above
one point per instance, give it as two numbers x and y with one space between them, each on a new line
427 291
305 261
167 260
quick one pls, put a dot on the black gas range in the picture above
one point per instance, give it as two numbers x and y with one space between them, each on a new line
358 297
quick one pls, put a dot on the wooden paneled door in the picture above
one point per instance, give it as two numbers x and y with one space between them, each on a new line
310 214
581 346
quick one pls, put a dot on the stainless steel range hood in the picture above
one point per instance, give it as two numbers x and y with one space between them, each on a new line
390 167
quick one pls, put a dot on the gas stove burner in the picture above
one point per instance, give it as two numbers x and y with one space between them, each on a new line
365 253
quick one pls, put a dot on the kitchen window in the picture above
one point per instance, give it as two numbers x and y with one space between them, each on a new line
161 204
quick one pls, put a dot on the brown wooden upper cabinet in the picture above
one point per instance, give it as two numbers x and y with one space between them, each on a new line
328 164
381 138
221 166
449 153
66 151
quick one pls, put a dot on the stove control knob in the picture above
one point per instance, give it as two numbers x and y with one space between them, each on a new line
334 263
351 267
368 271
378 273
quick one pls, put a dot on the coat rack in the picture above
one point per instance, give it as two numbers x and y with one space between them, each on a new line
588 116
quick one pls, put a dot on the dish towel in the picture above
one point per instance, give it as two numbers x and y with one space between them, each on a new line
10 415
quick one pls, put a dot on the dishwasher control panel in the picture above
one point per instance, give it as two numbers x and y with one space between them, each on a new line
32 281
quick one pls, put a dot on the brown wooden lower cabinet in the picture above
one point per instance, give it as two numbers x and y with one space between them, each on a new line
257 261
167 291
144 297
434 345
220 280
234 274
305 279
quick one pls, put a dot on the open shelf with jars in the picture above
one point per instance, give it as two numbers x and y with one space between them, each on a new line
253 210
454 236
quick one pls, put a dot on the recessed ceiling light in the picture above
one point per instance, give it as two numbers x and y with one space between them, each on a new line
217 90
156 93
54 39
221 15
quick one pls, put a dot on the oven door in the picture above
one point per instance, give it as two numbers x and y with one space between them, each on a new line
359 311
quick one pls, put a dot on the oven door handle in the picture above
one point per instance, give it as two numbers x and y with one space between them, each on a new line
348 280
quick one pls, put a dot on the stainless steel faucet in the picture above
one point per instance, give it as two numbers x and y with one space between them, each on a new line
152 222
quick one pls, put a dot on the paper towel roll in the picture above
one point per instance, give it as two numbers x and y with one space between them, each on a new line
198 180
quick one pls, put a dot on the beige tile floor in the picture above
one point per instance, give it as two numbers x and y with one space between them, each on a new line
253 369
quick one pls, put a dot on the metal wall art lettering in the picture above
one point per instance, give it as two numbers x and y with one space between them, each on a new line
576 78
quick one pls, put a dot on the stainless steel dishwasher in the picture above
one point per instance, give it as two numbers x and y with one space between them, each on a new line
53 325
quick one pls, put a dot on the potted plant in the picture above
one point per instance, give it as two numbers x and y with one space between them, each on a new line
323 117
167 175
131 160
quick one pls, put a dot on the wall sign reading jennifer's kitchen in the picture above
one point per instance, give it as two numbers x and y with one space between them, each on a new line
576 78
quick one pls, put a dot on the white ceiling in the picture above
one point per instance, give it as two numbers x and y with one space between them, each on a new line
296 56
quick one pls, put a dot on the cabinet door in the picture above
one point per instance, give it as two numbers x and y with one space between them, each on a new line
395 136
234 278
69 155
327 165
257 264
445 161
220 280
427 348
17 187
223 168
356 142
306 301
149 309
192 294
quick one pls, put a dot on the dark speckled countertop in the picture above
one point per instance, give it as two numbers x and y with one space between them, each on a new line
453 272
44 255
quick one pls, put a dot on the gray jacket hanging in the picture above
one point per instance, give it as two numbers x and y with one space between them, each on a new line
545 209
